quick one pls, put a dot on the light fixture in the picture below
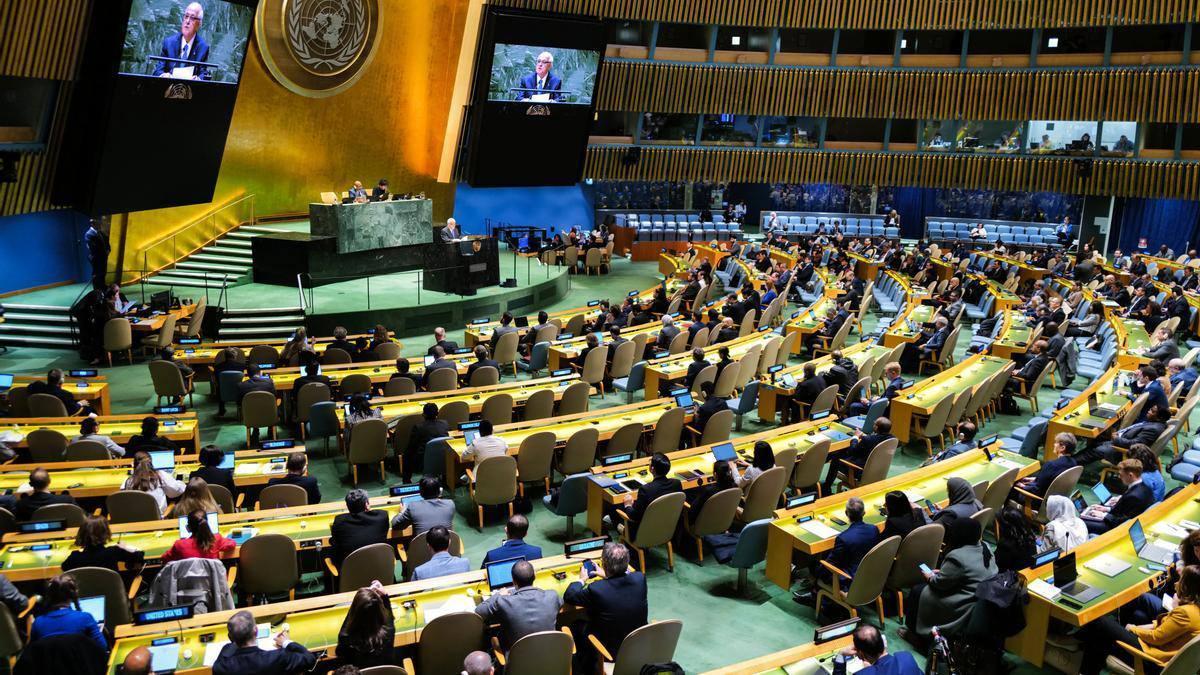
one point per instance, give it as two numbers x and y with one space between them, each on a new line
1052 43
903 43
736 40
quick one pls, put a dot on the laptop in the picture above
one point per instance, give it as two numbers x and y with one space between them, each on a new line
210 516
1103 495
6 381
428 360
521 321
226 461
470 435
1046 557
94 605
1105 411
1151 551
684 400
1065 575
162 460
724 452
499 573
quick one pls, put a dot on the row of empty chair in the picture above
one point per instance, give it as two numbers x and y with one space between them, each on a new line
1008 231
803 223
680 226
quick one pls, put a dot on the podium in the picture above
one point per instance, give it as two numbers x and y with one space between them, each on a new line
462 267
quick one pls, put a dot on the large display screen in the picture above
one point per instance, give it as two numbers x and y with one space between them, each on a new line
533 102
187 40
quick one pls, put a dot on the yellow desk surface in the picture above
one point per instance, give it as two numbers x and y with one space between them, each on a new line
675 367
808 321
607 421
155 322
921 398
799 437
94 389
204 353
1013 337
185 429
787 535
395 407
1131 337
899 331
306 524
563 352
315 622
770 393
1115 544
1074 418
783 662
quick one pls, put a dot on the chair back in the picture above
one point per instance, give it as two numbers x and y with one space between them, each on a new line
652 643
308 396
223 497
640 340
958 408
678 343
268 565
443 379
535 456
259 409
454 413
625 439
46 445
997 491
400 386
446 641
402 432
1062 485
984 517
368 442
748 324
659 521
717 428
87 451
546 651
323 420
166 378
484 376
166 334
786 348
706 374
539 405
70 514
751 546
622 360
546 333
496 480
131 506
1186 660
920 547
46 405
936 424
717 514
539 357
375 562
103 581
700 339
580 452
383 670
575 324
762 497
879 462
572 495
667 431
748 365
418 551
807 471
196 321
824 401
387 351
575 398
336 356
355 383
872 573
498 408
282 495
593 365
261 354
18 401
118 335
856 392
727 381
506 348
786 457
227 384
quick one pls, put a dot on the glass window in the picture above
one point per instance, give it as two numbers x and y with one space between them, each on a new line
999 42
1191 137
730 129
669 128
791 132
990 137
867 42
845 130
931 42
685 35
614 123
940 135
1073 41
635 33
1159 136
1167 38
1062 137
743 39
805 41
1118 139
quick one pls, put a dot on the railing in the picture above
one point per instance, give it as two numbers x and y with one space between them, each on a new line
166 252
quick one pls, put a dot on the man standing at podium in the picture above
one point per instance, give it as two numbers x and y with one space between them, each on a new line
541 82
185 45
451 232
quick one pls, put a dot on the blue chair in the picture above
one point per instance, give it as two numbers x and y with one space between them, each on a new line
571 500
227 386
751 549
435 456
865 422
634 382
538 358
744 403
323 422
1030 444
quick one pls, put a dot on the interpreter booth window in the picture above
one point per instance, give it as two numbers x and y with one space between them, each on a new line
940 135
999 48
628 39
1158 141
669 128
1072 47
742 44
681 42
990 137
931 48
1062 137
791 132
800 47
1118 138
903 136
1147 45
866 48
610 126
855 134
1191 142
738 130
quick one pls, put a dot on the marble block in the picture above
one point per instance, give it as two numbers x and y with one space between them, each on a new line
374 225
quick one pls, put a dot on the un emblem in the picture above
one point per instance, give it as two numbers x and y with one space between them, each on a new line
318 47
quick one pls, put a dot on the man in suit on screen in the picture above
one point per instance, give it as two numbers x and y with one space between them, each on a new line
541 80
185 45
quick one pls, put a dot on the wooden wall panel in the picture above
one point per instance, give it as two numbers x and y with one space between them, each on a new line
1138 94
1121 178
882 14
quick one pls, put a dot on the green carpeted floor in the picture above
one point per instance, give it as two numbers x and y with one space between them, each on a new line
720 627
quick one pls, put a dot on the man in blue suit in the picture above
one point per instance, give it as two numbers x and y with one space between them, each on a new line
849 547
871 649
541 81
1147 383
514 545
185 45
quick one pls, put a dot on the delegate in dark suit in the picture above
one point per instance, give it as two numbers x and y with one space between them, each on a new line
421 434
26 505
237 660
615 607
1132 504
857 454
309 484
480 364
849 547
98 248
171 50
529 82
352 531
522 612
1141 432
712 405
648 493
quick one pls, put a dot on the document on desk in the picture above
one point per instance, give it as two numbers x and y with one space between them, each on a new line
183 72
819 529
457 603
246 468
1007 463
540 98
1044 589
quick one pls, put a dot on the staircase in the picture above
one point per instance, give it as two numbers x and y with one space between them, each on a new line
265 323
36 326
226 261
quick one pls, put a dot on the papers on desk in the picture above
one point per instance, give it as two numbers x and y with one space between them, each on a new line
246 468
816 527
1007 463
1044 589
128 305
1106 565
11 437
914 497
183 72
1171 530
457 603
540 98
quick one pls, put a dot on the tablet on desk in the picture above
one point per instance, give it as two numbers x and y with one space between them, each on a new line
724 452
226 461
499 573
162 460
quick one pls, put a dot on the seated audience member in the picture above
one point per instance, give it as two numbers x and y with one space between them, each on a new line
1017 545
360 411
927 347
53 386
61 614
1065 529
197 497
1161 639
360 526
667 333
92 541
712 405
661 484
1181 373
871 648
402 367
616 604
723 479
964 442
312 375
1147 382
340 342
89 430
522 609
1021 380
478 663
892 375
256 380
137 662
439 340
763 460
591 341
428 512
810 387
37 495
210 469
158 484
1064 458
429 428
233 361
849 547
1136 499
485 445
147 440
1151 470
482 360
243 655
1144 432
698 364
902 517
202 542
514 545
368 632
439 361
442 563
963 502
947 598
1164 346
504 328
727 332
378 337
858 452
297 464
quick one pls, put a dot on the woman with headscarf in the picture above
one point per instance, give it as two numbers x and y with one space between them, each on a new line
948 597
963 503
1066 529
902 518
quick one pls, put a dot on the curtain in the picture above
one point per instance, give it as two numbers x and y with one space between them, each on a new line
913 204
1174 222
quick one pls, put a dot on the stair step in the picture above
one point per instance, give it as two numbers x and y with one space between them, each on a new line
198 275
35 308
184 282
220 259
24 316
235 242
36 341
239 236
227 251
273 331
8 327
192 264
259 320
259 230
259 311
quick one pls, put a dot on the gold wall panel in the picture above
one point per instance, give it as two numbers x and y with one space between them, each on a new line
1121 178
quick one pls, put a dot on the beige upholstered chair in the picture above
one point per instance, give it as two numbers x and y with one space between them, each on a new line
535 460
715 517
498 409
131 506
920 547
169 383
539 405
281 495
46 405
376 562
809 466
445 643
580 452
656 528
268 567
866 587
258 411
652 643
368 445
493 482
484 376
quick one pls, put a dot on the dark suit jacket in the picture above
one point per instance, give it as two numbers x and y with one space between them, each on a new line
438 363
479 364
726 334
693 370
616 607
424 432
236 660
307 482
648 493
448 346
214 476
352 531
170 49
712 406
1032 368
850 546
260 383
29 503
1141 432
1131 505
552 87
860 449
808 389
1155 397
98 246
1049 471
893 388
68 400
447 236
344 345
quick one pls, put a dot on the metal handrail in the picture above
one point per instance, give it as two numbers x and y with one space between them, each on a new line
208 219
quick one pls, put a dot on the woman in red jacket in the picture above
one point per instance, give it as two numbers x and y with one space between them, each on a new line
204 543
